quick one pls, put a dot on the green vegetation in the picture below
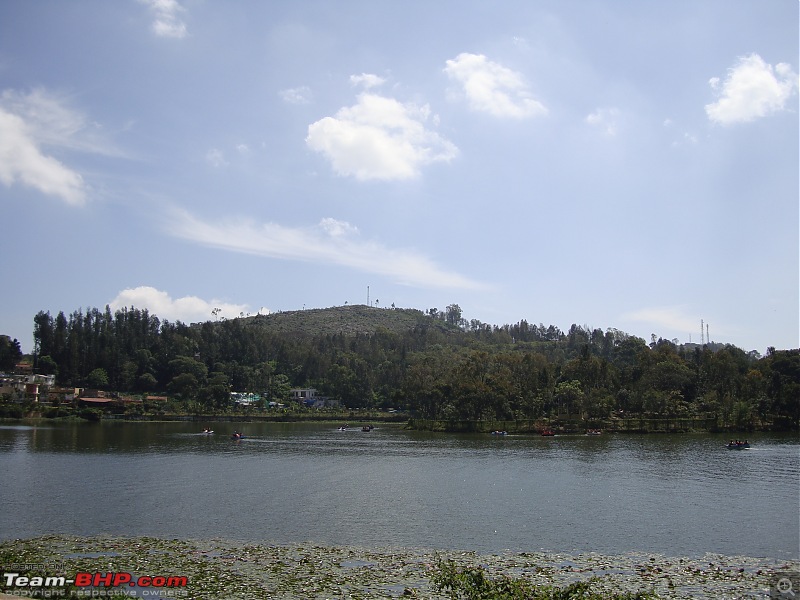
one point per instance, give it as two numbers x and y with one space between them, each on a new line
10 353
436 365
472 583
232 570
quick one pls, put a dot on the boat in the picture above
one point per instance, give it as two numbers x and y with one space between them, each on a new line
594 432
548 433
367 428
499 433
738 445
208 431
237 436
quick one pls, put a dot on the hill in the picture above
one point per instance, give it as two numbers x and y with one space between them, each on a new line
436 365
347 320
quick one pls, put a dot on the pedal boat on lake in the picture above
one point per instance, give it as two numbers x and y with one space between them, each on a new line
737 445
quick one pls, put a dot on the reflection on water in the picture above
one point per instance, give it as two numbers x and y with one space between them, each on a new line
682 494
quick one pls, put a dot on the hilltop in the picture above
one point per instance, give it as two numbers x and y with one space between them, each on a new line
344 320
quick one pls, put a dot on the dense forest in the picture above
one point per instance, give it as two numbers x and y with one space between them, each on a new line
435 363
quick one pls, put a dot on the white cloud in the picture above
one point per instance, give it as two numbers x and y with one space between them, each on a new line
216 158
330 242
490 87
605 119
189 309
22 160
29 122
51 122
298 95
167 22
752 89
366 80
336 228
379 138
673 318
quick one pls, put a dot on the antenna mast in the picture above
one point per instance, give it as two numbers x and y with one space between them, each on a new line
702 334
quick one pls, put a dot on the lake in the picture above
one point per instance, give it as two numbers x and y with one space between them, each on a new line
672 494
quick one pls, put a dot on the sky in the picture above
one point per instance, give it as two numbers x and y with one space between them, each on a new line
611 164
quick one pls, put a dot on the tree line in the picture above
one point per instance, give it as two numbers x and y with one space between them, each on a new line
443 368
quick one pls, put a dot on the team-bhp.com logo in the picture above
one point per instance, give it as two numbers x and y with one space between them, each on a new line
93 585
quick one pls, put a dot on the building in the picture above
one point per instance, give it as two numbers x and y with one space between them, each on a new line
303 394
245 398
309 398
26 386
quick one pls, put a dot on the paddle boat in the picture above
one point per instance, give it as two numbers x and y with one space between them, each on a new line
548 433
208 431
367 428
499 433
738 445
237 435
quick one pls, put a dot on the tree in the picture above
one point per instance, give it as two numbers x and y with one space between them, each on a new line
47 366
146 382
10 353
184 385
569 396
279 388
453 314
42 333
185 365
98 378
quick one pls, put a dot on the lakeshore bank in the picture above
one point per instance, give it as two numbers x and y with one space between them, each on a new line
225 569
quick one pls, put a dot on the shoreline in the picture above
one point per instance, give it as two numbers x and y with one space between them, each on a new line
640 427
223 568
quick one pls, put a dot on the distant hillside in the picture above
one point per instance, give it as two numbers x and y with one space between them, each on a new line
347 320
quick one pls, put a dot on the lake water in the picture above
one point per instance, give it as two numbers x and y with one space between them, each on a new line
676 495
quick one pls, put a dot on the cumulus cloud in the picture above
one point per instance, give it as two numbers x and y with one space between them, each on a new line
336 228
367 80
752 89
189 309
379 138
29 123
605 119
490 87
330 242
298 95
166 18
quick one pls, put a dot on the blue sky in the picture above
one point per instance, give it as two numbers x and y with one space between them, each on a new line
612 164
